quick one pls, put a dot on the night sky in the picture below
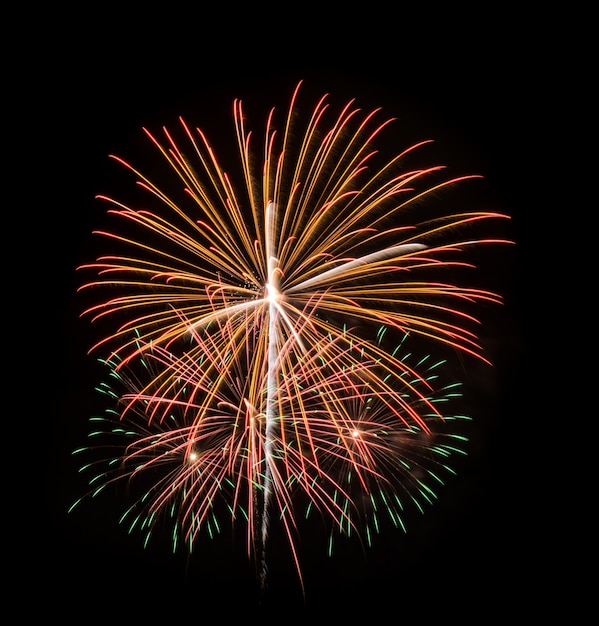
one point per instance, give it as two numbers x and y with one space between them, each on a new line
471 83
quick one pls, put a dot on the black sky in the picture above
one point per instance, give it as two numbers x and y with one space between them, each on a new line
471 82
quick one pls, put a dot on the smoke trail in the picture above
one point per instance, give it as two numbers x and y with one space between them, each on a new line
272 293
379 255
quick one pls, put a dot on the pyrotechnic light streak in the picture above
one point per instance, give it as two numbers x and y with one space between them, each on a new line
251 379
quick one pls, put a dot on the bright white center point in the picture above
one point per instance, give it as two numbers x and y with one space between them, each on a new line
272 293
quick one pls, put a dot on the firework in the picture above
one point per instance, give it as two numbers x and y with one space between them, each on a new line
262 332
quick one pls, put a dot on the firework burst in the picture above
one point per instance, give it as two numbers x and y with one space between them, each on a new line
260 335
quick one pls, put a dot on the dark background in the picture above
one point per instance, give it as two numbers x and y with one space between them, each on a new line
478 83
